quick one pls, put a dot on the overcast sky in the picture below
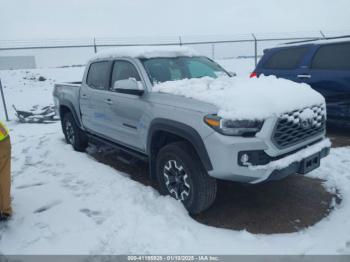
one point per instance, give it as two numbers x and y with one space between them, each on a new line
33 19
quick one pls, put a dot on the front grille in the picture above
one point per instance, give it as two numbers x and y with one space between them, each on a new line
299 125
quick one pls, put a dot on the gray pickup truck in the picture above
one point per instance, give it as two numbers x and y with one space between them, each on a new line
188 146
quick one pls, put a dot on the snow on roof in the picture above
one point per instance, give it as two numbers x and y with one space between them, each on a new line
244 98
145 52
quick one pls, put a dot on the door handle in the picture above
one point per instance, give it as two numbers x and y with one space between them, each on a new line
304 76
84 96
109 101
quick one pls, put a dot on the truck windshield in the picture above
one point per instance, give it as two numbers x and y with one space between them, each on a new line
176 68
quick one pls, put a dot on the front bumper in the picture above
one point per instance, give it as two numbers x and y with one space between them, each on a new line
224 154
295 167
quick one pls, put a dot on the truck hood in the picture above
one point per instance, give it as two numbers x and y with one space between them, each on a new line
182 102
243 98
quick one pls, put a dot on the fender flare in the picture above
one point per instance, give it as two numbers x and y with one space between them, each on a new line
70 106
185 131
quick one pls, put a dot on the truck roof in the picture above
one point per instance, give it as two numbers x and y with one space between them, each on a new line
144 52
320 41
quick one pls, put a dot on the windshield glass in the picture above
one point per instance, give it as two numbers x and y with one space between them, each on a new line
176 68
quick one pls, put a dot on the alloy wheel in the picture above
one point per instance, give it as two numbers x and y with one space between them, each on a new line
176 180
70 132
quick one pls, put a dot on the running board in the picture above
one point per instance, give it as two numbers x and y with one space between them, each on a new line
119 148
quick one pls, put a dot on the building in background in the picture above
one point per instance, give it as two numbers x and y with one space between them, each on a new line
17 62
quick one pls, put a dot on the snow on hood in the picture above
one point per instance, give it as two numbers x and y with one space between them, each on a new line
245 98
145 52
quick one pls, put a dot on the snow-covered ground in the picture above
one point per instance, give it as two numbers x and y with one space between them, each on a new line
22 88
240 66
68 203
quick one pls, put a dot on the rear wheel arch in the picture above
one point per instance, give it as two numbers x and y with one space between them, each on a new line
67 107
73 134
64 110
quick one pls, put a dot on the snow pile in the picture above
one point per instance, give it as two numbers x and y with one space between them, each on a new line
145 52
245 98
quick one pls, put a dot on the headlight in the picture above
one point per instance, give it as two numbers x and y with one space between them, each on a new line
228 127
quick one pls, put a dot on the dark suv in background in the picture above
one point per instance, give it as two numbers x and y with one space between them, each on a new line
323 64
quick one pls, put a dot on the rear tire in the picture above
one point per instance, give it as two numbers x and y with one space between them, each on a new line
73 134
181 174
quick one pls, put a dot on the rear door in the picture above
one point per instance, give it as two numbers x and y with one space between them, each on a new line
330 75
285 62
93 97
125 111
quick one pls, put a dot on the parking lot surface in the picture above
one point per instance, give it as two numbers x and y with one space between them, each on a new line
284 206
339 137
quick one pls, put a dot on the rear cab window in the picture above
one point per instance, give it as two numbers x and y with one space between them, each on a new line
332 57
286 58
98 75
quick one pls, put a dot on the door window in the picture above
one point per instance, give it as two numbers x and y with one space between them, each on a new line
98 75
332 57
288 58
123 70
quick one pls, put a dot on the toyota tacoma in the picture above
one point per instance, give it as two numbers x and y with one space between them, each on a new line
193 121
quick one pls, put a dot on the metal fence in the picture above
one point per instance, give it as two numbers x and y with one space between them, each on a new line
75 51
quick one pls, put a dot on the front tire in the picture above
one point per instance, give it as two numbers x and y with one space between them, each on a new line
181 174
73 134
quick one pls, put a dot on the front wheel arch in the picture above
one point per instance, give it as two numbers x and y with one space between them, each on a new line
165 131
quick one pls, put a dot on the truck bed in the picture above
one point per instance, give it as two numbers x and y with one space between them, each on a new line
67 94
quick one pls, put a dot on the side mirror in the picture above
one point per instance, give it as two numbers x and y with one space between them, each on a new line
232 74
128 86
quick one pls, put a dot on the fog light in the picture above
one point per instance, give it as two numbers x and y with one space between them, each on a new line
244 159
